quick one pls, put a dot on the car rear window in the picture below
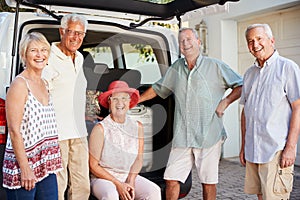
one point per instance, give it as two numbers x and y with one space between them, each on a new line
142 58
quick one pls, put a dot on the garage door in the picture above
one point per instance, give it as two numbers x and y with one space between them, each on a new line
286 30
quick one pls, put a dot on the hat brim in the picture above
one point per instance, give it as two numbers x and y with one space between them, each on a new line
134 96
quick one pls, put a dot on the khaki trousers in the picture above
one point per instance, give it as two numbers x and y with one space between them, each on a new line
269 179
75 175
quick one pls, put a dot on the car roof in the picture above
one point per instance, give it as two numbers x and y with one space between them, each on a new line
158 8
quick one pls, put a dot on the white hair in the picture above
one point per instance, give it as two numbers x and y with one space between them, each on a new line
266 27
73 18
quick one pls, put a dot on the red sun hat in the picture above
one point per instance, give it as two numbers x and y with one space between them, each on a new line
119 86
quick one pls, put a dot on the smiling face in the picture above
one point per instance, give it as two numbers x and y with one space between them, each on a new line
119 104
189 44
72 37
36 55
260 45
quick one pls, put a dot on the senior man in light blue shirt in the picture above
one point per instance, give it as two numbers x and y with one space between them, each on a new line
270 118
198 84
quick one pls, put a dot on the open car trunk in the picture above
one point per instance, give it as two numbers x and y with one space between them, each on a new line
164 9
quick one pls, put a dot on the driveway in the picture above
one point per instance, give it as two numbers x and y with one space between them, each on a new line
231 183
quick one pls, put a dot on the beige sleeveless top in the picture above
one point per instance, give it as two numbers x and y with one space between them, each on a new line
120 147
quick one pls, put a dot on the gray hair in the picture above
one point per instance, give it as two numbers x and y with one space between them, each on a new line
266 27
27 39
73 18
191 29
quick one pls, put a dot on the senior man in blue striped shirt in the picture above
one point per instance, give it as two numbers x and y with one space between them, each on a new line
198 84
270 118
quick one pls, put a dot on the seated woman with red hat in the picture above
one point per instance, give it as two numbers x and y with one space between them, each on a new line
116 149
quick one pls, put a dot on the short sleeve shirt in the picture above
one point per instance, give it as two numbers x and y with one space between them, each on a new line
67 85
267 96
197 93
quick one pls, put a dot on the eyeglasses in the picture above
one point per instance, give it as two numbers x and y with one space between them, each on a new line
119 99
77 33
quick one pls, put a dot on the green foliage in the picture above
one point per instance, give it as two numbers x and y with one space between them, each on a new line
6 8
169 26
146 52
101 49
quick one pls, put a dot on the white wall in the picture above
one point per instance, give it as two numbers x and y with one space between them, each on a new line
222 44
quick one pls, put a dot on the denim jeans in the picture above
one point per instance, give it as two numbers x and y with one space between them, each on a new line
43 190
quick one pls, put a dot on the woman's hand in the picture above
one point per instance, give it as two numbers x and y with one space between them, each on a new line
131 183
28 179
126 191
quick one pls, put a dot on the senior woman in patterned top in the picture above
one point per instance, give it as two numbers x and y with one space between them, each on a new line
32 154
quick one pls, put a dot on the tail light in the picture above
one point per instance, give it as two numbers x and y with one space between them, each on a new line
2 122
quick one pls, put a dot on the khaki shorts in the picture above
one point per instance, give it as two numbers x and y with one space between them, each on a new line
269 179
181 161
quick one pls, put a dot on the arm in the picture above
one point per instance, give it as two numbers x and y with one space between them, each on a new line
138 163
148 94
224 103
15 101
96 142
49 74
288 156
243 133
